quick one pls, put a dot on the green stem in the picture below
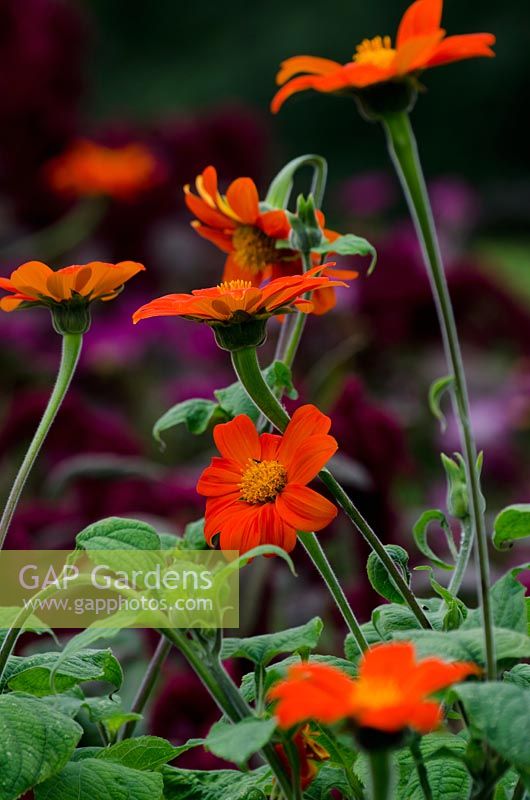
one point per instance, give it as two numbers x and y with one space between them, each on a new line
519 793
226 695
420 769
317 555
247 369
148 683
287 353
404 153
464 552
380 775
71 349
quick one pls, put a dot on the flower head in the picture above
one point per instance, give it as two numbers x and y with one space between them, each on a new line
238 226
237 300
67 292
88 168
257 490
420 43
391 692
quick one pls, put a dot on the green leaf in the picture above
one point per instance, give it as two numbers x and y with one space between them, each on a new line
448 779
223 784
240 741
507 597
98 779
499 713
519 675
329 778
109 712
436 392
387 619
372 636
37 741
31 625
262 649
144 753
117 533
379 576
234 400
420 533
468 645
350 245
511 524
197 414
194 536
33 674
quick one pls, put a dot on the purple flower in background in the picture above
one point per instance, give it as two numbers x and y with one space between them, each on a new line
368 194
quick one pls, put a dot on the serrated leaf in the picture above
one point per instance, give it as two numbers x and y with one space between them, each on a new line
380 578
350 245
420 532
240 741
197 414
117 533
97 779
519 675
512 524
262 649
436 392
109 712
351 648
223 784
448 779
468 645
144 753
498 713
329 778
36 741
33 674
508 608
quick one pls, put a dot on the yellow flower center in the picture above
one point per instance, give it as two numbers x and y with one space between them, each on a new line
262 481
234 286
378 52
254 250
376 693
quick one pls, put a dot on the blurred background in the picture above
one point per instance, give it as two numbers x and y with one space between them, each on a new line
192 82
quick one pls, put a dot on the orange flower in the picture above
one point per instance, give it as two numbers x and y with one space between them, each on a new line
237 301
421 43
88 169
237 226
390 693
257 491
36 284
309 752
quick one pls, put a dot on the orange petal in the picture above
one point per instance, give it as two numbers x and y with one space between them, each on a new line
218 509
233 272
275 224
306 421
425 717
396 659
31 279
323 301
242 196
304 509
270 443
422 17
360 75
220 239
312 691
415 53
458 48
171 305
10 303
238 439
205 213
223 476
311 457
207 185
431 675
311 65
294 86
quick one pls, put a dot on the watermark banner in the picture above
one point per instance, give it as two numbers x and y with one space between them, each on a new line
42 589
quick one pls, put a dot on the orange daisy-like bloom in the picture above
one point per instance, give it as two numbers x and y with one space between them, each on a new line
237 301
237 226
391 692
35 284
257 490
88 168
421 43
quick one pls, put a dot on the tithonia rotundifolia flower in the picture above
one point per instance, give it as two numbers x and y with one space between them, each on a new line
420 43
257 490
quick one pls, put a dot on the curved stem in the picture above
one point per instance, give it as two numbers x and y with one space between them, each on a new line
279 192
148 684
286 350
226 695
404 153
71 349
380 775
464 552
317 555
247 369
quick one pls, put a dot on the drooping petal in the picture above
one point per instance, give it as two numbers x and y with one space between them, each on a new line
311 457
304 509
221 239
458 48
243 198
300 84
205 213
311 65
422 17
238 439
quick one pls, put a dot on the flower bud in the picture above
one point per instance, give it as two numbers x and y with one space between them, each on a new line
306 232
71 317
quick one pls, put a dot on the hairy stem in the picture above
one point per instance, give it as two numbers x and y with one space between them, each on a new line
247 369
148 683
71 349
404 153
